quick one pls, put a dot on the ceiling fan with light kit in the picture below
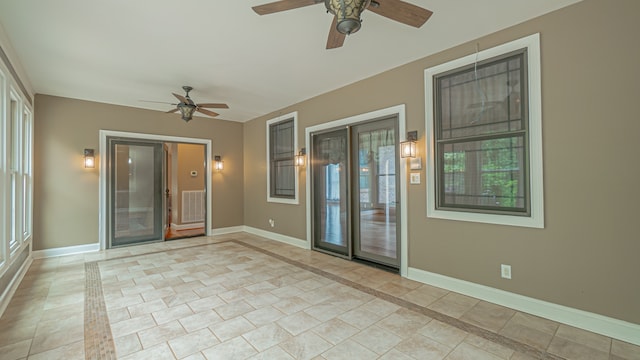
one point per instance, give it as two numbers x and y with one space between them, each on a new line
347 13
187 107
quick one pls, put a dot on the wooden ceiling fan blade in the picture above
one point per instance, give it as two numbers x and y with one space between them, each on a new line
207 112
214 106
283 5
172 111
181 98
336 38
401 11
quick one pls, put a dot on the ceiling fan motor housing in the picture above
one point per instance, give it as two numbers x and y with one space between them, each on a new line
347 13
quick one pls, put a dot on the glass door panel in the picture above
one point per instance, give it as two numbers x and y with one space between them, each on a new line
375 192
136 192
330 189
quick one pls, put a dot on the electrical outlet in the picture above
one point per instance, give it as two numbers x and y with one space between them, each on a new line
272 223
505 271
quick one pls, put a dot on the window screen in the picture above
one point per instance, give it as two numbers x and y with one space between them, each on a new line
481 137
281 157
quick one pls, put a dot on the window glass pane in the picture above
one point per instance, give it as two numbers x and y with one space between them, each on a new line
14 168
485 174
284 178
481 100
281 152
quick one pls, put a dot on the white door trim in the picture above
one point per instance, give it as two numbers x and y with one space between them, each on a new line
102 202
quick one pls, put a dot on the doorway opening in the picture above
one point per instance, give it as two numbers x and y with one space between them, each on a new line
153 188
355 189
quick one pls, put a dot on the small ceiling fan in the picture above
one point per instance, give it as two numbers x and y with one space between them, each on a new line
346 13
187 107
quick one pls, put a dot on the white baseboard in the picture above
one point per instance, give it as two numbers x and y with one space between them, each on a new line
68 250
187 226
277 237
600 324
10 290
227 230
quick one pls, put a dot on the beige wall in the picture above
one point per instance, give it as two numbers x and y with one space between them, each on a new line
66 194
190 158
586 257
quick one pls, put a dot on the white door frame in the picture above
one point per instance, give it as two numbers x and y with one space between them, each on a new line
398 110
102 202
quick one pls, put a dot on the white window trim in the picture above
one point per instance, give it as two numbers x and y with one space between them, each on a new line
4 223
536 219
295 200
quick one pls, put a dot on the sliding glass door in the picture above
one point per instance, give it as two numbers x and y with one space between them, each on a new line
330 174
354 172
136 192
375 193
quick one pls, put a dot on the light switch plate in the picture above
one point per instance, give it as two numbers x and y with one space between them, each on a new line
415 178
415 163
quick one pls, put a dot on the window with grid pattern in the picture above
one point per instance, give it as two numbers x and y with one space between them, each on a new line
485 136
281 143
481 127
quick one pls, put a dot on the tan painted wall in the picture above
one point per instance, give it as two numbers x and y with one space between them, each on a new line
587 255
66 194
190 157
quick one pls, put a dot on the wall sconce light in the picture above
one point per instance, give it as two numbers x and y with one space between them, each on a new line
218 164
89 159
299 159
408 147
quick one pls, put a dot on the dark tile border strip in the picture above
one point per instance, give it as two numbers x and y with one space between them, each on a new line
464 326
99 341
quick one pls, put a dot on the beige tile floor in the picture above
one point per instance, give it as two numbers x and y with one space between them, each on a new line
243 297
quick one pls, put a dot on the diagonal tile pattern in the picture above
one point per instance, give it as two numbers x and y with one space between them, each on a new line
244 297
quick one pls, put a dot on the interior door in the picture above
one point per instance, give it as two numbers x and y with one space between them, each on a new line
374 197
330 177
136 192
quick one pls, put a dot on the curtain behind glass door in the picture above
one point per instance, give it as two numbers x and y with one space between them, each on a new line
330 176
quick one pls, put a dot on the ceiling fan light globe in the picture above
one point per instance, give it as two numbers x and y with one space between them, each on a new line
348 26
186 110
347 13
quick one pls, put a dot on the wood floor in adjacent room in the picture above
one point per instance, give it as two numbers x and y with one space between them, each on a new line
240 296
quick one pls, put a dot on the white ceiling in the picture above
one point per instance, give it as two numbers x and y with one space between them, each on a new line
124 51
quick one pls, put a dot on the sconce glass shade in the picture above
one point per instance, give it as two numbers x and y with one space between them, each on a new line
347 13
218 164
408 149
187 111
299 159
89 159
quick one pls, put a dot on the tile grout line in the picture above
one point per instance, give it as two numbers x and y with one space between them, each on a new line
99 342
462 325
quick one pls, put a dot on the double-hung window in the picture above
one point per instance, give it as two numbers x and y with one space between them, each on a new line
282 177
484 133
